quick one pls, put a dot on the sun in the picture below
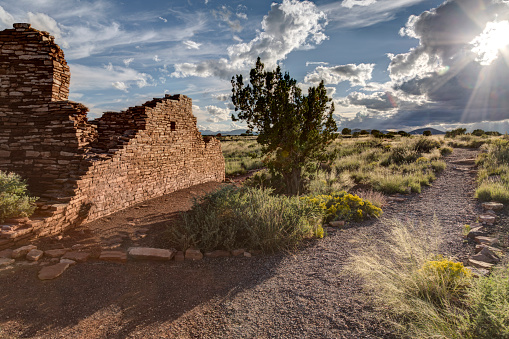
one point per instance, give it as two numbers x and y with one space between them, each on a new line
491 42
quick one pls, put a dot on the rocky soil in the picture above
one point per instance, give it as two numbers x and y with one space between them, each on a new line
304 294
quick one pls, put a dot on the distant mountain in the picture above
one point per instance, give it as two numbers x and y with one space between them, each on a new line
433 131
234 132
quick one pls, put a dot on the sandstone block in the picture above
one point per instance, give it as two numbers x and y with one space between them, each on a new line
149 253
53 271
480 264
492 206
485 240
115 256
487 218
486 255
238 252
67 261
55 253
77 256
34 255
337 223
193 254
218 254
21 252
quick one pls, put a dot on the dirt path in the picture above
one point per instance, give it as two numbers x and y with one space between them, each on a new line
285 296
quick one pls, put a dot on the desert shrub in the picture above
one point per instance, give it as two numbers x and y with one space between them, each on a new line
328 182
399 155
14 198
426 145
489 305
251 218
376 198
493 176
445 150
343 206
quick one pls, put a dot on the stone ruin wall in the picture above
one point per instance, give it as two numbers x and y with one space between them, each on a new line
85 170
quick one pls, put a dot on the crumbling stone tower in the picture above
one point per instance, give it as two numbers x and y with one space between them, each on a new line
85 170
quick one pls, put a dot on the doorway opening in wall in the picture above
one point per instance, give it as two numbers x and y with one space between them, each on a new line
173 126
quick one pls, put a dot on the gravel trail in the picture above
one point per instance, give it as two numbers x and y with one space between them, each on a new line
299 295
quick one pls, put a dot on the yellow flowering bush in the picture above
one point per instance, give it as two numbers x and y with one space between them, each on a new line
344 206
446 269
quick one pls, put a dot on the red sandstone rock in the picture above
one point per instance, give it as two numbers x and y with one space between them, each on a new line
6 262
151 253
21 252
238 252
193 254
34 255
53 271
218 254
115 256
55 253
77 256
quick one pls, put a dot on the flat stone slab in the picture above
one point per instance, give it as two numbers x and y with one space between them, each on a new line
487 218
475 232
68 261
486 255
218 254
337 223
149 253
6 262
115 256
77 256
478 272
22 251
492 206
480 264
55 253
193 254
238 252
53 271
34 255
485 240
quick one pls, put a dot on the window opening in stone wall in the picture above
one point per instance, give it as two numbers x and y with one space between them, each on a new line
173 126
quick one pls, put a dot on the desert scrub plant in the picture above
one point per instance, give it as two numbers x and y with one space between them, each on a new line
343 206
241 156
14 198
231 218
419 291
493 176
445 150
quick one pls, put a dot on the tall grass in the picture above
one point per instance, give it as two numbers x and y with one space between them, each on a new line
241 156
493 176
424 295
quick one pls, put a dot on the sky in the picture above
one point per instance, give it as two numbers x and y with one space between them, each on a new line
387 64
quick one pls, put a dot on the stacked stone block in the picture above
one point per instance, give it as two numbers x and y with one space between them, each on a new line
85 170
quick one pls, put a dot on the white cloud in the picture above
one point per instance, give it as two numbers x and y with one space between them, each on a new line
224 15
217 113
288 26
163 19
366 13
241 15
93 78
222 96
357 75
6 19
310 63
128 61
120 85
156 58
191 44
351 3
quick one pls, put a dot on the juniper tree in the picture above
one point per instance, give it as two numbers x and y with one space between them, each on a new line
293 129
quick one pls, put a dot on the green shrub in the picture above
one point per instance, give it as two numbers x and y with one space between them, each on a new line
493 191
343 206
14 199
445 150
489 305
250 218
426 145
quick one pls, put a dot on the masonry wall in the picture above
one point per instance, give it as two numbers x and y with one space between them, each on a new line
81 169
